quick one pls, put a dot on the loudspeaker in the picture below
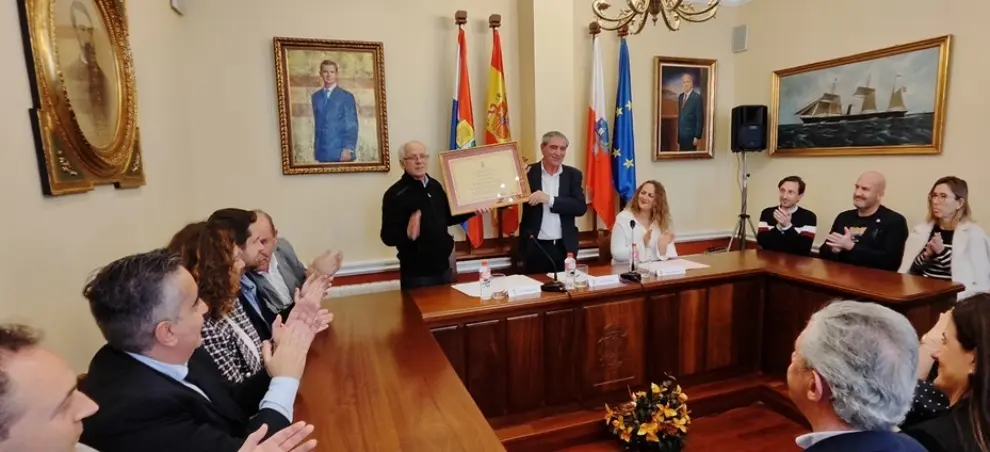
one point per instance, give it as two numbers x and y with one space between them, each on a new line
749 128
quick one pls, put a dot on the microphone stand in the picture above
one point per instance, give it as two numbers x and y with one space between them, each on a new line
632 275
549 286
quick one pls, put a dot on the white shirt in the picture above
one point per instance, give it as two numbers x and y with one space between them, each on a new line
329 90
550 226
623 236
810 439
80 447
274 277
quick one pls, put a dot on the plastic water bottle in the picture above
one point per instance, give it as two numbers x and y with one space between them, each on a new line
485 280
570 271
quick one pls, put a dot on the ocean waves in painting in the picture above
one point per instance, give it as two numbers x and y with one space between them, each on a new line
910 130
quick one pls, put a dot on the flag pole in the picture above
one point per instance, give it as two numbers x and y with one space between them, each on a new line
594 29
494 22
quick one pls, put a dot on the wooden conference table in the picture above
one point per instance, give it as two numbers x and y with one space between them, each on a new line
433 369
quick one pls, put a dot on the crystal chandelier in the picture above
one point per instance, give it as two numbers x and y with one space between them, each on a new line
634 15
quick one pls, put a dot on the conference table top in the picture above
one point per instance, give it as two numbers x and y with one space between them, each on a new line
442 303
378 380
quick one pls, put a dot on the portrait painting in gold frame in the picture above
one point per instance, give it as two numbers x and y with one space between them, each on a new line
889 101
84 95
683 108
331 106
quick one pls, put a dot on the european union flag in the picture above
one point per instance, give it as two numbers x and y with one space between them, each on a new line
623 143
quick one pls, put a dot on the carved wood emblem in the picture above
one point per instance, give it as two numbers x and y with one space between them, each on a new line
612 347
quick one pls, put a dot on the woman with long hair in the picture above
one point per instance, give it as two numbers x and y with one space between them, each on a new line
212 255
964 377
949 245
652 234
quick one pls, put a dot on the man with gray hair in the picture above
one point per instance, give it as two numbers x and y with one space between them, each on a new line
415 218
852 376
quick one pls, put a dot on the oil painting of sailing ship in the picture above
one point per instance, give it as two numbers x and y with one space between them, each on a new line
888 101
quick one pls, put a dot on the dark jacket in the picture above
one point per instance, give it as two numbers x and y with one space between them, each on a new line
569 204
429 254
867 442
879 239
142 409
950 432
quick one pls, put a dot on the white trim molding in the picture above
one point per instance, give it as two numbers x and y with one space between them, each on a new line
467 266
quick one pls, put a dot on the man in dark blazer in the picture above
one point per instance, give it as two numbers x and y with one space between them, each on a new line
156 388
690 116
548 232
853 396
335 119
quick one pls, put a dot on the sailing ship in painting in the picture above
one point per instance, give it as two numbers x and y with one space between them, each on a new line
828 107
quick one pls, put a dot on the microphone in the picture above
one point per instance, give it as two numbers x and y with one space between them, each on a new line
632 275
549 286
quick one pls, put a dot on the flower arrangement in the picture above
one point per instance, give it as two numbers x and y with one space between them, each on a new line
655 420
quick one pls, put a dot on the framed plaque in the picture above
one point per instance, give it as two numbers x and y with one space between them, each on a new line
484 177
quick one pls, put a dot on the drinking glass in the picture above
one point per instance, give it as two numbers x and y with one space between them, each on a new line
581 277
500 290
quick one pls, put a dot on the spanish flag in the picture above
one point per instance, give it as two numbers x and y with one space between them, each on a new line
497 124
462 127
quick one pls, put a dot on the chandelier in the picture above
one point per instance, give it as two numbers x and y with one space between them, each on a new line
633 17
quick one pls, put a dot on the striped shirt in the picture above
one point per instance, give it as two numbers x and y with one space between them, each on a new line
938 266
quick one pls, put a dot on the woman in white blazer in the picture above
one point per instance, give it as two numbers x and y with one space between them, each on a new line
649 212
949 245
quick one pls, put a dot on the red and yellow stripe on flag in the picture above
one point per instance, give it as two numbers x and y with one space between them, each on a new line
497 125
462 127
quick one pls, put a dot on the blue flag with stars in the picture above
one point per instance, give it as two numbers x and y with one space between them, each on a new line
623 143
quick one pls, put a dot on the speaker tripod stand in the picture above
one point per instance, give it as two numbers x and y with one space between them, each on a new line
739 233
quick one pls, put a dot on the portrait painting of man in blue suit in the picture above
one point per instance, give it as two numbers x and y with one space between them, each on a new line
690 115
335 118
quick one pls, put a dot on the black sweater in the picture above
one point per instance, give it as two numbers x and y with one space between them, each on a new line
879 239
797 239
429 254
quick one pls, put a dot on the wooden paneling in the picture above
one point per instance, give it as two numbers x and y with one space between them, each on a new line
788 307
613 345
562 382
451 340
664 324
692 315
525 340
486 365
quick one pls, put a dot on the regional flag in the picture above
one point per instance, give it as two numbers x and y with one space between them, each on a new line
601 194
462 127
623 143
497 125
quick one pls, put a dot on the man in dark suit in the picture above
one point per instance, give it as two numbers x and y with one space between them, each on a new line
156 388
548 217
690 116
335 119
852 376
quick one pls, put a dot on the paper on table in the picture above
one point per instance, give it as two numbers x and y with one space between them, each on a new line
671 264
473 289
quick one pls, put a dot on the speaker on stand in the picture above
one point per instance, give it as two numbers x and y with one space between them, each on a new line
749 134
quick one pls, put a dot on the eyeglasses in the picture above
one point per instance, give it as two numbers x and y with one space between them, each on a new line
418 158
941 197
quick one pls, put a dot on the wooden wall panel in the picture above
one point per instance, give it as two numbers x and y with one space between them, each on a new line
663 328
613 345
525 359
486 365
451 340
562 357
719 347
786 312
692 321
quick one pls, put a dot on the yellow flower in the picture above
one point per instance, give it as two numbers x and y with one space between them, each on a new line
655 388
626 434
649 430
683 397
608 414
681 424
668 412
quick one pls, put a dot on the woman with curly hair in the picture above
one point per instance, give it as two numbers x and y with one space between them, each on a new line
212 255
652 235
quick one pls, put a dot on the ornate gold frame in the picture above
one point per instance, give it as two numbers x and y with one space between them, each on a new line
282 45
710 95
942 43
67 161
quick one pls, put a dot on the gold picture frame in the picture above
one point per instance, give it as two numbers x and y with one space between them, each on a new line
84 111
809 115
332 114
496 165
683 124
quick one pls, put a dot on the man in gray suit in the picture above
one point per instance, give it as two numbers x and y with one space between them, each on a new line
277 273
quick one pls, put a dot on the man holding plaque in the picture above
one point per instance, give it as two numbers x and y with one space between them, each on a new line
415 218
548 232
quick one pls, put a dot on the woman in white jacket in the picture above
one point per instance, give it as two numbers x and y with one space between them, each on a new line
652 235
949 245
